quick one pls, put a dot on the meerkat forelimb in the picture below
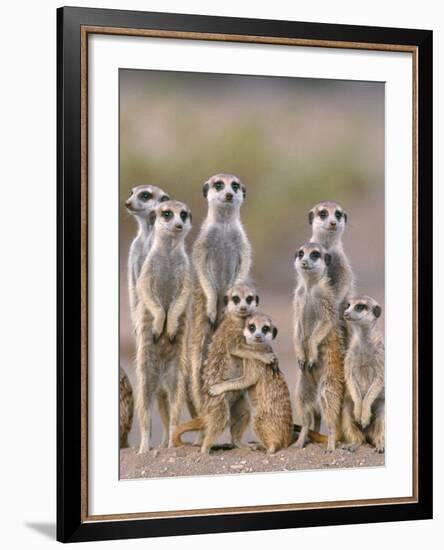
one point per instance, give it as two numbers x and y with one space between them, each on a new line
267 390
231 408
317 344
221 258
364 401
328 221
143 199
126 408
164 288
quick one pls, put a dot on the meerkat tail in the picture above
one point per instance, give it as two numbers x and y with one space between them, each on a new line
196 424
315 437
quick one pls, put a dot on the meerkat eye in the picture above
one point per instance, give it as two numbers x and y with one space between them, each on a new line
145 196
164 198
300 254
184 215
338 215
235 186
360 307
219 185
315 255
265 329
249 299
323 214
236 299
252 327
167 214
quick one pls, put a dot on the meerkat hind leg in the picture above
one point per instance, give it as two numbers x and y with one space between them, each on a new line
164 412
376 430
353 437
214 428
240 418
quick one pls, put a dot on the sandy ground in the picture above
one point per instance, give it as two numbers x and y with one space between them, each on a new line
187 461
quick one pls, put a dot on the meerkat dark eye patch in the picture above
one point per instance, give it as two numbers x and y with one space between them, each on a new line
235 186
225 299
249 299
360 307
257 300
236 299
377 311
310 217
275 331
315 255
145 196
167 214
219 185
252 327
183 215
323 214
164 198
338 215
300 254
265 329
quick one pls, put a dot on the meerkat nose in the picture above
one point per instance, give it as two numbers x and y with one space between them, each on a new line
229 196
333 224
128 203
179 226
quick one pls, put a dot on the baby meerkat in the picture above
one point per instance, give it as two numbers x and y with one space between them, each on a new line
317 345
328 221
126 408
164 288
142 201
267 390
364 401
232 407
221 259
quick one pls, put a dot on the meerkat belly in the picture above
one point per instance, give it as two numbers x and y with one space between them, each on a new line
168 281
223 257
234 369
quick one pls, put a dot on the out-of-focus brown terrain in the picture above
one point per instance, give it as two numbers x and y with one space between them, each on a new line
293 142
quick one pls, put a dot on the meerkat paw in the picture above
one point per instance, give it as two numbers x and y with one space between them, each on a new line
143 449
302 364
214 390
350 447
172 338
300 443
270 358
365 419
379 449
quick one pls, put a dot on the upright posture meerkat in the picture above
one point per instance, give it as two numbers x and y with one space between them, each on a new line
267 390
126 408
317 345
364 401
328 221
164 288
141 202
217 412
221 259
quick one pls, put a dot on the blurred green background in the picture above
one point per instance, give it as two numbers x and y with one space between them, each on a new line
293 142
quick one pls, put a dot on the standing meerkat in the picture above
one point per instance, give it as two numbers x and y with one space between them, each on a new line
364 401
221 259
217 412
164 288
317 345
266 387
126 408
142 201
328 221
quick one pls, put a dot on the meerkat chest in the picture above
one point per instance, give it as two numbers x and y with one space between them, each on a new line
136 256
224 244
308 313
364 367
167 276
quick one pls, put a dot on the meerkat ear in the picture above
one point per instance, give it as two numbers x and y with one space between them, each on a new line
244 191
327 259
345 217
377 311
275 331
226 300
190 215
152 217
311 215
205 189
257 300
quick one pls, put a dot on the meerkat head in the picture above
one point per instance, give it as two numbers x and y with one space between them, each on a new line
362 310
259 329
224 190
328 220
172 218
241 300
143 199
311 259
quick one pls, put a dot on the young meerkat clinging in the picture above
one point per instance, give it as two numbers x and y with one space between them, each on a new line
267 390
328 221
221 259
231 407
164 288
364 401
317 345
142 201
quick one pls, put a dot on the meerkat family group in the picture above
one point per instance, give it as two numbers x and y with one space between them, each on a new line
201 340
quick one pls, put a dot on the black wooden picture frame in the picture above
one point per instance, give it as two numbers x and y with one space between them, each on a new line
73 522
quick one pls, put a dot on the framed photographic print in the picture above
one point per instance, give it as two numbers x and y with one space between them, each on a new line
244 274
